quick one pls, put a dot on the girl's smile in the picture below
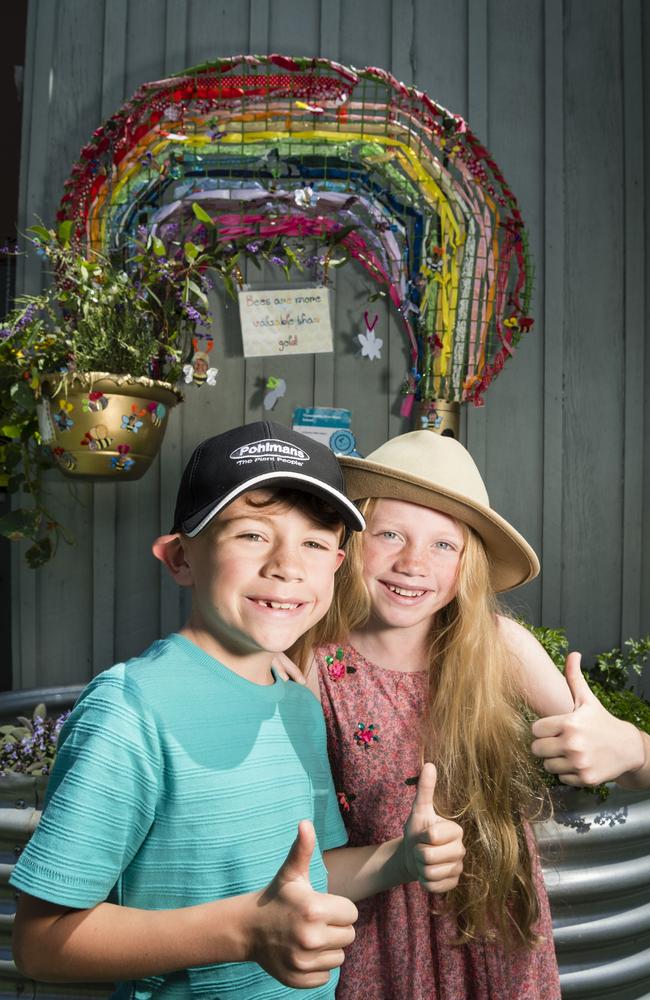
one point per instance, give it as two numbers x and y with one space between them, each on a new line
411 559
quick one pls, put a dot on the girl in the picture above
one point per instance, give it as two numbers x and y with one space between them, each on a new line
414 663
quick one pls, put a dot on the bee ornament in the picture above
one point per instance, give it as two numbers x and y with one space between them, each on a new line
97 438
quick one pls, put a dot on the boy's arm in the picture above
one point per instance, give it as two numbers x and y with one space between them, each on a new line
295 933
430 851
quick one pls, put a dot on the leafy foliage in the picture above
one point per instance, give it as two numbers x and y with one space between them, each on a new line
133 316
29 746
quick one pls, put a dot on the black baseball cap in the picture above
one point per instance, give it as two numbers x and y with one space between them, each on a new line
257 456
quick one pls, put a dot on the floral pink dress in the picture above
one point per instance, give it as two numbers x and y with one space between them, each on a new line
403 950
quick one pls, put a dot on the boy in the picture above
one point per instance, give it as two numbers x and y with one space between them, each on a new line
182 776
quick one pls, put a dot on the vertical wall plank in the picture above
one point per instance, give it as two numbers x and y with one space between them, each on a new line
634 316
477 116
171 455
39 42
259 45
329 46
594 315
175 36
553 327
105 494
645 580
137 574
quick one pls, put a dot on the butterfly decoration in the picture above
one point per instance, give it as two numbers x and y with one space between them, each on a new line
304 197
275 390
371 344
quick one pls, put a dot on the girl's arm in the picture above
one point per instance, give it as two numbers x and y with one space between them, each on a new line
430 851
288 670
578 739
544 689
293 932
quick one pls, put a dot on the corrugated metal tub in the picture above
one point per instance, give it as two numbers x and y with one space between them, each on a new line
596 859
21 799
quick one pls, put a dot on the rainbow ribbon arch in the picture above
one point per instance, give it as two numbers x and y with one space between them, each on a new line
309 149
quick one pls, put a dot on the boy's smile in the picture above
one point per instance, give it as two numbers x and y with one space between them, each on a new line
261 576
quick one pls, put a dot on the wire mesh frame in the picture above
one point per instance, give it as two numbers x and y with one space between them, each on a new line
285 149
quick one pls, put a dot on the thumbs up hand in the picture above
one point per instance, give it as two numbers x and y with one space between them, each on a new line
298 934
432 847
588 745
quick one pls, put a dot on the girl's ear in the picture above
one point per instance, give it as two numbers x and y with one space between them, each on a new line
171 553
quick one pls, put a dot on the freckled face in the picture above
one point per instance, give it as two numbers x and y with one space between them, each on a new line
411 560
262 576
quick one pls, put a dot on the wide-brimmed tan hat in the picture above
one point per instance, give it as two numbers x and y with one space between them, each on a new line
437 472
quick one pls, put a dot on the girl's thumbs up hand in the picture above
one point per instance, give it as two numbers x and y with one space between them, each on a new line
432 847
588 745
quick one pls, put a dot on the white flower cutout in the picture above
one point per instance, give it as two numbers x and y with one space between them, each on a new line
371 345
304 197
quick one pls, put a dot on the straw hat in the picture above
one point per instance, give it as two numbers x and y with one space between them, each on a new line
437 472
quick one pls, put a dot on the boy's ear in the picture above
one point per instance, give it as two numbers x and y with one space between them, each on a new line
171 553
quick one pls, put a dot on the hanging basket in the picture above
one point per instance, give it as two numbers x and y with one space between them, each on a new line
101 426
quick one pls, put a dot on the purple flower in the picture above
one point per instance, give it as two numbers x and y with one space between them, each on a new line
193 314
26 317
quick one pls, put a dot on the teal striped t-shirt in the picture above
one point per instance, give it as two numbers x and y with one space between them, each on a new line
178 782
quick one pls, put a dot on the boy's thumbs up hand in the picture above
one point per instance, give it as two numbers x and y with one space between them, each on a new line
295 867
432 847
298 934
588 745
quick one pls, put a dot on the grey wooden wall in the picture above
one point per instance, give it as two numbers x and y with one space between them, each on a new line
560 93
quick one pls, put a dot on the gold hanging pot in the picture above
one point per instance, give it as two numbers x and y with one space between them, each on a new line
101 426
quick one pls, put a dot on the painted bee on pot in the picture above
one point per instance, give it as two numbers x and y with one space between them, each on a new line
97 438
157 412
65 459
94 402
120 462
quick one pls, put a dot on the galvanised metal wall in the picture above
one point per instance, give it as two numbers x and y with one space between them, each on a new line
558 90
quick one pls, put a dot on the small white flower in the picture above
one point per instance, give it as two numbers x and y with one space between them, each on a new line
370 345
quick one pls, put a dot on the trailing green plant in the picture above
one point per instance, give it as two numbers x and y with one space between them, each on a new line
134 314
126 316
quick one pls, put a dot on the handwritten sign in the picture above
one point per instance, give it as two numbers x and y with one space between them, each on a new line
285 321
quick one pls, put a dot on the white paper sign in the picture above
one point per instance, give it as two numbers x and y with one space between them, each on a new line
285 321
